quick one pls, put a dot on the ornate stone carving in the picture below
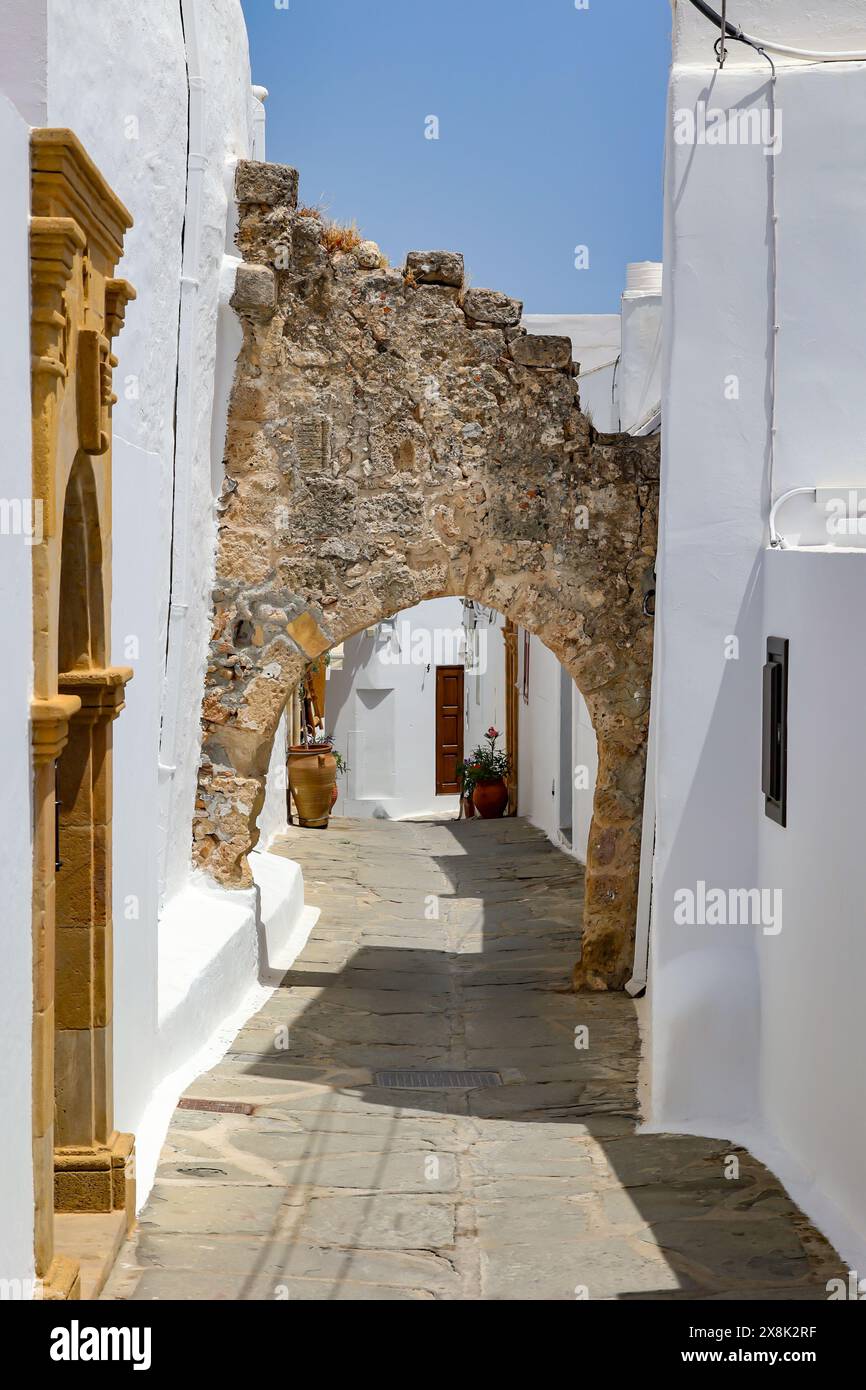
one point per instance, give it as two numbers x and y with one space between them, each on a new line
101 694
49 723
77 232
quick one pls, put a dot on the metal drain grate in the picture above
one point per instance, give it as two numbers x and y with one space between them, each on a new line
218 1107
436 1080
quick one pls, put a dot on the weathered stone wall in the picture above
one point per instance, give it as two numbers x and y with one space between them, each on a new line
395 436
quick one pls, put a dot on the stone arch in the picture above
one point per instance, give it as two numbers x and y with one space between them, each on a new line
81 617
395 436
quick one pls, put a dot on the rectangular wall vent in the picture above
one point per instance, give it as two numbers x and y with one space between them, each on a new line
774 770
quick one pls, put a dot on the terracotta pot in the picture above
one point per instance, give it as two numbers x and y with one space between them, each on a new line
335 793
468 807
491 798
313 783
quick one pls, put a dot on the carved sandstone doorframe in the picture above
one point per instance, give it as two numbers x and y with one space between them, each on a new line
80 1163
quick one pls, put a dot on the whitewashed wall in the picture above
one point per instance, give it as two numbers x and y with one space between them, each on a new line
120 77
557 742
485 691
381 709
539 738
133 123
726 1003
273 819
812 973
16 986
585 764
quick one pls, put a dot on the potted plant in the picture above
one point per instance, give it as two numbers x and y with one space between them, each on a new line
490 768
313 769
466 775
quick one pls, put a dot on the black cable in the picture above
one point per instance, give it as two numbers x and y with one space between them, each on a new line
714 17
732 31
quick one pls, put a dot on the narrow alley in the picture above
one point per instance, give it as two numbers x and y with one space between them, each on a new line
447 947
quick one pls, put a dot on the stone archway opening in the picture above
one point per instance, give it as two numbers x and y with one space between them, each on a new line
407 701
618 773
395 435
80 967
90 1158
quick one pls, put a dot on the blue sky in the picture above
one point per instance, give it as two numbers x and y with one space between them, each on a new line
551 125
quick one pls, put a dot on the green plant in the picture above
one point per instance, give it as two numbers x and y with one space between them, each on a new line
342 765
488 764
466 773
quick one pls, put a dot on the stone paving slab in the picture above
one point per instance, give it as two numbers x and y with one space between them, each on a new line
336 1188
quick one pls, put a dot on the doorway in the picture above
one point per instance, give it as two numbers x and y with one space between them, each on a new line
449 728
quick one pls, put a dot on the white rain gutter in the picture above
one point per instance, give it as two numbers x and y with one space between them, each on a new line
197 163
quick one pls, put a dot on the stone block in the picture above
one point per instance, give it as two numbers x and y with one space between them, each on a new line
123 1175
271 185
44 909
43 1194
542 350
306 632
75 879
88 1190
489 306
74 1087
436 267
368 256
74 1000
255 291
62 1282
103 1082
43 1071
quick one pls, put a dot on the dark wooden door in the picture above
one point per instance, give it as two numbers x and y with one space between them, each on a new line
449 728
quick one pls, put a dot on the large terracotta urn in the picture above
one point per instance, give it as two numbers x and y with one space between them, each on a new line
491 798
312 780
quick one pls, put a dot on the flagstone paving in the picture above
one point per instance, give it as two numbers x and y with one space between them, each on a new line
449 945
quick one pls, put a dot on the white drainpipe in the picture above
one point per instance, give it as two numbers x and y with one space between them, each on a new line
184 449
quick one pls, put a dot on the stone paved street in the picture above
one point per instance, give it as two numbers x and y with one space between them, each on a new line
335 1187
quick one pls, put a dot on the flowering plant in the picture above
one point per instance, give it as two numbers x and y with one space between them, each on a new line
488 763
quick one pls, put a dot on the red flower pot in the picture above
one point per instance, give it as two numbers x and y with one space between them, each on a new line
491 798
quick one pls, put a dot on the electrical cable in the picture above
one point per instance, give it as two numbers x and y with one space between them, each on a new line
733 31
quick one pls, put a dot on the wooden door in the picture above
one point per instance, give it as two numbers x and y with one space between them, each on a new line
449 728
